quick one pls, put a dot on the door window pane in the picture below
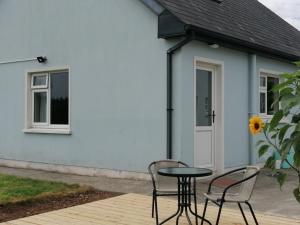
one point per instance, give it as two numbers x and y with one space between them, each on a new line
40 107
262 102
271 96
59 98
203 98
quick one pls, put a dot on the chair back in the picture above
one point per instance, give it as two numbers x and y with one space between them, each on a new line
247 186
164 182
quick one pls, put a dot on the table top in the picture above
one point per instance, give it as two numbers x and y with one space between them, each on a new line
185 172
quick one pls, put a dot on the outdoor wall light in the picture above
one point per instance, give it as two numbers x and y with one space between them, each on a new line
214 45
41 59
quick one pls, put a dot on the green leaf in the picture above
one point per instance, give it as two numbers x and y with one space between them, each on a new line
266 127
287 76
297 159
274 136
286 91
290 101
297 63
281 178
282 132
294 135
297 128
262 150
297 194
296 118
270 163
282 85
260 142
276 119
285 148
296 146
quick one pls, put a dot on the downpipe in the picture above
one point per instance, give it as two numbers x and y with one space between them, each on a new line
170 109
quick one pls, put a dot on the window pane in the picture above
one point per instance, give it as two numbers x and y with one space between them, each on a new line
262 81
271 97
59 98
39 80
262 102
203 98
40 107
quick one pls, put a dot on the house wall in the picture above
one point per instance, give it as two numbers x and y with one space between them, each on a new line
118 85
264 63
117 76
236 100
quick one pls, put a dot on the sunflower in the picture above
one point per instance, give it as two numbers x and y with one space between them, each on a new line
256 125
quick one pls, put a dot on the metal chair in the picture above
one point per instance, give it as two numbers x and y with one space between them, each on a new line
164 186
242 196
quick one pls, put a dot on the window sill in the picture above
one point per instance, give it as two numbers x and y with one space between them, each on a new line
47 131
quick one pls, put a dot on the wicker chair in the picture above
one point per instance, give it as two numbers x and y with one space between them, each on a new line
164 186
242 196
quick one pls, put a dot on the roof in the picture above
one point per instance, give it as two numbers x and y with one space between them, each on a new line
246 21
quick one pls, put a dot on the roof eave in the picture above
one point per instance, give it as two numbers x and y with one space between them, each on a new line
236 43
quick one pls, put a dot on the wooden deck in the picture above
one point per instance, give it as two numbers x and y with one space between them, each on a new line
133 209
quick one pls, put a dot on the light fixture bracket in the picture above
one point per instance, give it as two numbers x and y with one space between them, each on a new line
41 59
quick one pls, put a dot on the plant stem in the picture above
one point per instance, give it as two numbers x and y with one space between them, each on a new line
278 150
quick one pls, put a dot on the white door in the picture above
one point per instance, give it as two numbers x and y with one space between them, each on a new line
204 153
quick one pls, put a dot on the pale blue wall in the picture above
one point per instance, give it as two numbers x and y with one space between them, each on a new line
235 102
118 85
118 81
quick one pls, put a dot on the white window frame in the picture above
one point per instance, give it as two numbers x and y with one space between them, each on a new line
30 89
267 73
39 124
39 75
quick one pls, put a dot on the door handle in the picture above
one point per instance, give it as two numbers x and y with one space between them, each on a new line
213 115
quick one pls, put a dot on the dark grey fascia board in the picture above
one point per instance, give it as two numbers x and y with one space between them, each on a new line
234 43
154 6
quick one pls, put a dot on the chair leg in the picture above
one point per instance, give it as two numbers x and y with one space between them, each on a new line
242 211
252 212
153 205
204 211
156 209
195 199
219 213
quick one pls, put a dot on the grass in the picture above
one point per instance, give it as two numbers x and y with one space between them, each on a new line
15 189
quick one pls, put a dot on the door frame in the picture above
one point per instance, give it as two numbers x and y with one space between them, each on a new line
219 109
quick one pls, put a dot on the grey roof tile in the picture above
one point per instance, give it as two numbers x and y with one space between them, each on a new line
246 20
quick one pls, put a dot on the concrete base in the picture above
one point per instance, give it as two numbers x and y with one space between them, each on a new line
76 170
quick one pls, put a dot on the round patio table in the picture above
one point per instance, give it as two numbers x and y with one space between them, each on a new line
184 176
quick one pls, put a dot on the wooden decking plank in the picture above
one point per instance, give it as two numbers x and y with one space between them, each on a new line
134 209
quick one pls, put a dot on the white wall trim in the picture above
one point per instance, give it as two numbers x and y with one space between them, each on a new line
77 170
47 131
219 146
271 72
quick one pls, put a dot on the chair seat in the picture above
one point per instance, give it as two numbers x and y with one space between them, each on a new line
216 197
168 190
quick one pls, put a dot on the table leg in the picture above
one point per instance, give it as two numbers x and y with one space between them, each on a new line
184 202
195 202
179 211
